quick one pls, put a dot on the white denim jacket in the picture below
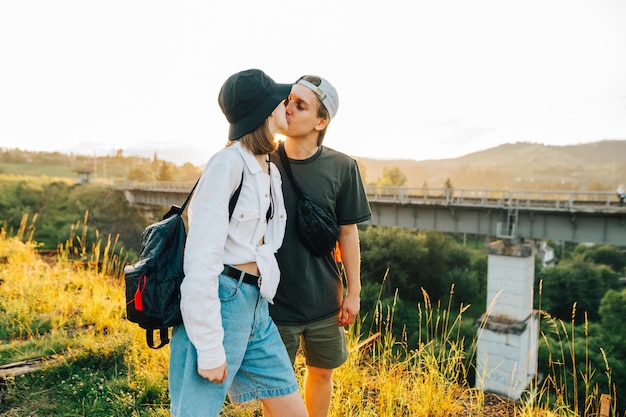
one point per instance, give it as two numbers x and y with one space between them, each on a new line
213 241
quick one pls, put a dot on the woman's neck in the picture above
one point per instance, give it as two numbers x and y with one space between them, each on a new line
262 161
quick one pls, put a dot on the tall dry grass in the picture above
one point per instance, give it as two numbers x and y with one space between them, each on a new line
69 310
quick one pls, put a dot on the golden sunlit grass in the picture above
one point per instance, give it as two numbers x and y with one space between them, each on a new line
562 386
70 311
393 381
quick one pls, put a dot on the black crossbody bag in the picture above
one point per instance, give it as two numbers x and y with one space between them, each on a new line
317 228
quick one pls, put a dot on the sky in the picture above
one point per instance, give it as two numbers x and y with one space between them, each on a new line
416 79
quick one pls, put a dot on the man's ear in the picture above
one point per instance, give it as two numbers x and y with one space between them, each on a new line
322 122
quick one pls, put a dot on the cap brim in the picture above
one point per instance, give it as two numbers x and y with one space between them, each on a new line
260 113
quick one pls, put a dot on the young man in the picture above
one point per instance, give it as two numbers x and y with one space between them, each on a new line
310 307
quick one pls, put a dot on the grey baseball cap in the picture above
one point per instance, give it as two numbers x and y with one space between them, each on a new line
325 91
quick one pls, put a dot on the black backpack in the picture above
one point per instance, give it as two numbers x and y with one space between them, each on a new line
153 282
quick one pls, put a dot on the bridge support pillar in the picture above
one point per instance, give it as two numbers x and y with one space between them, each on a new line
506 357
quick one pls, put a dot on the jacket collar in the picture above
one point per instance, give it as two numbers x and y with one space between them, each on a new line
249 159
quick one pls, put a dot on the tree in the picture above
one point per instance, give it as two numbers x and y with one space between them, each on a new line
575 281
612 313
166 173
156 163
189 172
609 344
416 260
611 256
392 177
141 174
395 253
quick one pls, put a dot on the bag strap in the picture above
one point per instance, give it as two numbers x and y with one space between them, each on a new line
164 338
233 199
287 167
182 208
231 204
176 210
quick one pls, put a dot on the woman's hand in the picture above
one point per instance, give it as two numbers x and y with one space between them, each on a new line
215 375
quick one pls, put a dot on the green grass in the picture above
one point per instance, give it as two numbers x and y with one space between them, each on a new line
70 311
46 170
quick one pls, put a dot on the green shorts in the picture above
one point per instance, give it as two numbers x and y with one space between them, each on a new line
323 342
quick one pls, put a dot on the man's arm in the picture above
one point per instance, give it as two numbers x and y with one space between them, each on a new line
351 258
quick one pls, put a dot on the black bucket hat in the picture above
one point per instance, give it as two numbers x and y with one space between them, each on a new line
247 98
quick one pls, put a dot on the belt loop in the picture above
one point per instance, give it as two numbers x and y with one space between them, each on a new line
241 276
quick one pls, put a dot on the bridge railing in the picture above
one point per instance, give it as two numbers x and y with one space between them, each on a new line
157 186
522 199
560 200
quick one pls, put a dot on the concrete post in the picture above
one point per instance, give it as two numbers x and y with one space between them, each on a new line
506 357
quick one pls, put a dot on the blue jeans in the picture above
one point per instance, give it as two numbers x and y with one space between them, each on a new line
258 364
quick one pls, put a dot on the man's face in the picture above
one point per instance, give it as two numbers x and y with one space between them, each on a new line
302 111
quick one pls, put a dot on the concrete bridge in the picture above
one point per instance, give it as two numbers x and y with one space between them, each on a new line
574 216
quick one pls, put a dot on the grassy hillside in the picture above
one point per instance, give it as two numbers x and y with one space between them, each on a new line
55 204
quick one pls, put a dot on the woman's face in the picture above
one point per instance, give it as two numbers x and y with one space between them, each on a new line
278 119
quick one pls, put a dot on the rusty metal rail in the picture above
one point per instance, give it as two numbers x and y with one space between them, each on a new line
548 200
537 200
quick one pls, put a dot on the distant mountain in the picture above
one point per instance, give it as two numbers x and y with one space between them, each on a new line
522 165
596 166
171 152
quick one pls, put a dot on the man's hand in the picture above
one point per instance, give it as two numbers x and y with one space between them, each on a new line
215 375
349 309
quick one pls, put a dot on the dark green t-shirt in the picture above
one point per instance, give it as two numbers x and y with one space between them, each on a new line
311 287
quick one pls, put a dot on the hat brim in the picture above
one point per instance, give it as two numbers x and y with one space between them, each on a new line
260 113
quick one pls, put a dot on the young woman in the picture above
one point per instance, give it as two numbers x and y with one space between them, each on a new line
227 343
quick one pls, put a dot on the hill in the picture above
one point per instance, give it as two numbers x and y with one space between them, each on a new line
596 166
523 165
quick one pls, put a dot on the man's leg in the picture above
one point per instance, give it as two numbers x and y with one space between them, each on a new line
325 349
318 386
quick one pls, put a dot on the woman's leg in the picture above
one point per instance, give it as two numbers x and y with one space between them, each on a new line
190 394
266 372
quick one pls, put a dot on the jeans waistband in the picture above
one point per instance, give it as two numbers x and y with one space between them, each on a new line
235 273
